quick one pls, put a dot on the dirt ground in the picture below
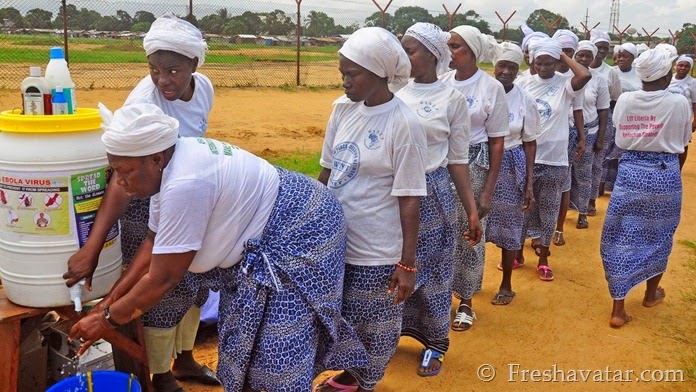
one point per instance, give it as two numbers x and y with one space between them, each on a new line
554 327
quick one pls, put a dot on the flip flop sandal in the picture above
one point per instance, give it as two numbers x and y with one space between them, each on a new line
428 355
545 273
591 211
503 298
463 321
515 265
582 223
337 385
558 239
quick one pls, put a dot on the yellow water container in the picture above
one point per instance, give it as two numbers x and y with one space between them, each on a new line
53 174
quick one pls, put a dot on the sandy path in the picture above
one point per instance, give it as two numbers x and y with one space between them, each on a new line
562 324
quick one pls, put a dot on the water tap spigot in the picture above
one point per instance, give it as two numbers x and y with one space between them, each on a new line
76 294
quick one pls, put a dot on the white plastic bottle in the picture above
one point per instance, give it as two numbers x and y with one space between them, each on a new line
36 95
60 102
57 74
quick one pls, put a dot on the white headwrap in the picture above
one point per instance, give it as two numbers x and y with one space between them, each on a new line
599 36
435 40
567 38
669 48
482 45
530 36
507 51
545 46
587 45
177 35
640 48
627 47
381 53
686 59
137 130
654 64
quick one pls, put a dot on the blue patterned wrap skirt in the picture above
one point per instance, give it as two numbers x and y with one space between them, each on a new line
506 218
377 321
612 154
572 150
188 292
581 188
643 214
468 261
427 310
280 321
540 219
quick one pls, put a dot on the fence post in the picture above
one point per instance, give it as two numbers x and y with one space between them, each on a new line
299 34
65 32
450 16
650 34
383 11
505 22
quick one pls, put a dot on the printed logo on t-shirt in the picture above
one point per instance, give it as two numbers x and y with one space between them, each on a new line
374 139
679 89
472 101
203 125
346 163
511 117
552 91
427 109
544 109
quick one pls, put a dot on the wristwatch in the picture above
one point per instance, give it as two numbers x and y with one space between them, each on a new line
108 318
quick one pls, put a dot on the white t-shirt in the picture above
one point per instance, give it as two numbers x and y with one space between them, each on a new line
596 98
652 121
685 87
612 78
522 75
554 97
376 154
630 81
443 114
192 114
577 104
213 198
487 104
523 118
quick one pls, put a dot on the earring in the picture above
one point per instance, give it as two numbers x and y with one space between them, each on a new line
160 170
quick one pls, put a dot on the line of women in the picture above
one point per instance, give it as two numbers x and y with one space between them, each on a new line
329 274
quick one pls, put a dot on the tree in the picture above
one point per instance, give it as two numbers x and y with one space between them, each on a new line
685 43
375 20
277 23
71 13
124 20
234 27
141 27
12 16
535 22
216 22
85 19
38 19
318 24
144 17
513 35
107 23
405 17
253 24
470 18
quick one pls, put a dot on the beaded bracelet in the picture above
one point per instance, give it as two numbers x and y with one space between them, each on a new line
407 268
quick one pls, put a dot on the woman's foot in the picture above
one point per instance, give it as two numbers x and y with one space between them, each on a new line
619 319
651 300
504 297
464 318
591 209
165 382
431 363
342 382
558 239
582 222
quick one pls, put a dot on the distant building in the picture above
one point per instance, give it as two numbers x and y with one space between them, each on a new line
244 39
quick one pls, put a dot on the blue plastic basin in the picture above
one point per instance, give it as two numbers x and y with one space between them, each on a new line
102 381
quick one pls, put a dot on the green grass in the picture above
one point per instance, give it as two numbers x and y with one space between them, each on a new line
107 50
305 163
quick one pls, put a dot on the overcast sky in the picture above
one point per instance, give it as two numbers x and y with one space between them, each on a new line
648 14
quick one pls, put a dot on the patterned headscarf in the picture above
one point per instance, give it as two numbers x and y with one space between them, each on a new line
435 40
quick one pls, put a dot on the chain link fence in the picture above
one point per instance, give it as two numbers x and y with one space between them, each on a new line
251 43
